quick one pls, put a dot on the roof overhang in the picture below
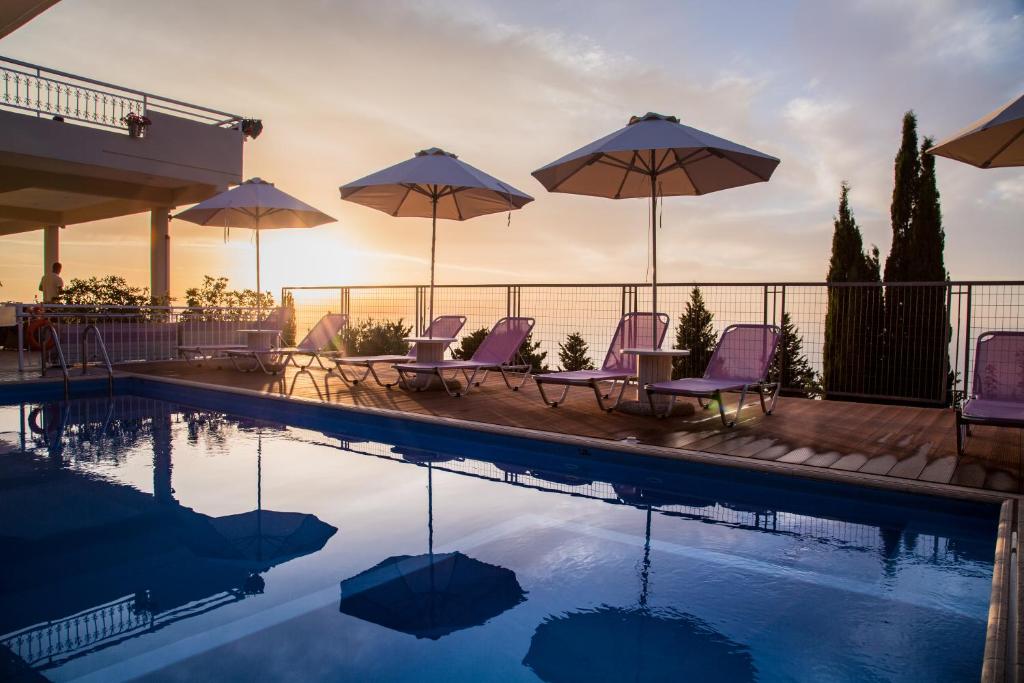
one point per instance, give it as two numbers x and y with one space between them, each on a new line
16 13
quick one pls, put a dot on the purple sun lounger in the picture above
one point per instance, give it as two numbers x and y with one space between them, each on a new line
274 360
495 353
634 331
739 364
442 326
198 352
997 393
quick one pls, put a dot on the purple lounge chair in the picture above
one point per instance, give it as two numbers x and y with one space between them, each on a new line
634 331
495 352
272 361
442 326
275 320
740 363
997 393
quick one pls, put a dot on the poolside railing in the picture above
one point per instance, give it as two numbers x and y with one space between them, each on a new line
902 342
134 333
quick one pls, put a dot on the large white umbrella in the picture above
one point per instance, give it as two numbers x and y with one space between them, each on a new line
655 155
256 205
993 141
434 184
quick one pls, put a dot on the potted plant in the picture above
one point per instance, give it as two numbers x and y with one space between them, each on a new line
251 128
137 124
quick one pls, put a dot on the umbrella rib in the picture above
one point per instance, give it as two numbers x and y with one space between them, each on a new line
625 177
455 200
554 188
746 168
682 167
988 162
398 207
657 167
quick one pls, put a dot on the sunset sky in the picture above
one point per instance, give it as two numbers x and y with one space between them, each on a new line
347 88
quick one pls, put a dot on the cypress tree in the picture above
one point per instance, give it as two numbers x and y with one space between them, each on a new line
574 354
853 320
790 366
916 316
695 333
904 195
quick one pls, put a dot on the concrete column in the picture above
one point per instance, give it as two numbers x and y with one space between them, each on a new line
51 246
160 253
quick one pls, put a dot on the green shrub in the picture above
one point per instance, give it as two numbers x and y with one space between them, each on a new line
374 338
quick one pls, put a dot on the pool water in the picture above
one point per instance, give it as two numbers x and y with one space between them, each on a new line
146 539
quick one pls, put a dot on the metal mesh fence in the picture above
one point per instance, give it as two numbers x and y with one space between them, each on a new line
904 342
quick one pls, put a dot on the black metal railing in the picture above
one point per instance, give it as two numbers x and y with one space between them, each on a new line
902 342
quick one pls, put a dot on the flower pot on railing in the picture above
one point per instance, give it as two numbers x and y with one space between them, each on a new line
137 124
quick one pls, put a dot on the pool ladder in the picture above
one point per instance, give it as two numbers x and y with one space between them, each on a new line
50 330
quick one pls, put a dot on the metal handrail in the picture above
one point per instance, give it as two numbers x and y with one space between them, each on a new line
213 116
49 328
83 347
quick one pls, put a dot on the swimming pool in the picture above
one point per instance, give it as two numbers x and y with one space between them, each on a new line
166 536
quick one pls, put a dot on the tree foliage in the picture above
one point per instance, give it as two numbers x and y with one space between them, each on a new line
111 290
790 366
574 354
214 293
374 338
854 316
915 316
696 333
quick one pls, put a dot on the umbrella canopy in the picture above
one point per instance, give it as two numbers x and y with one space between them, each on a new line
430 596
656 156
634 644
994 141
272 537
257 205
434 184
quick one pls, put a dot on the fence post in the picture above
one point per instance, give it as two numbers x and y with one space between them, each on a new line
967 341
764 302
945 346
19 313
782 356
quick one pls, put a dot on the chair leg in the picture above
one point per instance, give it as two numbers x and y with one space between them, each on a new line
544 396
516 387
961 433
703 404
721 407
453 394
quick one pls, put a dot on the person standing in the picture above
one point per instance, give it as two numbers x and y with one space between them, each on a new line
51 285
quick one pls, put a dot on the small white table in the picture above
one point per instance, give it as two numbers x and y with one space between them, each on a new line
653 365
428 350
260 340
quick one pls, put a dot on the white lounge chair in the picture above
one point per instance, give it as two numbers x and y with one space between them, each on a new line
997 393
273 361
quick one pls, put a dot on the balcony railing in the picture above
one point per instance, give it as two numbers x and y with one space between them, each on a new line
47 92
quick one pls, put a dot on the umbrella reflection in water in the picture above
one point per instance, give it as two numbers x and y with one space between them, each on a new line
640 643
432 595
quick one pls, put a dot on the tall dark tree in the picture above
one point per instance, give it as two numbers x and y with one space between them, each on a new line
574 354
790 365
696 333
916 316
904 195
853 320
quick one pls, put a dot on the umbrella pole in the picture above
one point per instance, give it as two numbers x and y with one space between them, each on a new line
259 297
654 258
433 248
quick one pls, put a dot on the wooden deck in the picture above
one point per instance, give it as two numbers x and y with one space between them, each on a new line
894 441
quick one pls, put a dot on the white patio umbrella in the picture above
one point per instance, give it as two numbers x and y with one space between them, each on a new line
434 184
655 155
256 205
993 141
